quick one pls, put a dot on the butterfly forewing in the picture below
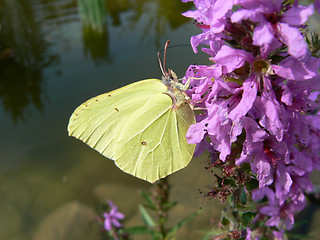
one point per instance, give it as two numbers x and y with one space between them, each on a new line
99 121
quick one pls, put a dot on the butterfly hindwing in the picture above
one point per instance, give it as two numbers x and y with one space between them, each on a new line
153 143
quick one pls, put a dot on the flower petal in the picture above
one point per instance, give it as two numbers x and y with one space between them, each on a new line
260 193
297 16
243 14
253 132
263 34
293 69
116 223
196 132
221 7
264 172
273 117
231 58
269 6
107 224
273 221
248 96
284 177
292 37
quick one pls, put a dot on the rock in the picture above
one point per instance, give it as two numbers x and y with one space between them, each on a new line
71 221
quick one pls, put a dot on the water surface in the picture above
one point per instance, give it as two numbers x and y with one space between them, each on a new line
56 54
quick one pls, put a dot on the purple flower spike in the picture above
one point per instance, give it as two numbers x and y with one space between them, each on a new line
258 100
112 218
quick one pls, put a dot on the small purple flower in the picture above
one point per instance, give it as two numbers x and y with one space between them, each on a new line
212 17
276 22
112 218
281 214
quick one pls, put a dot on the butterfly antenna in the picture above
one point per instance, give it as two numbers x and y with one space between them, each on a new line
163 66
160 63
164 55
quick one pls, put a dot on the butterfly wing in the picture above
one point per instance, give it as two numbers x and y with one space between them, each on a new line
153 144
137 128
99 121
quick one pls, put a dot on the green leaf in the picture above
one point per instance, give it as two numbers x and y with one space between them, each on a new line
246 167
147 197
229 182
146 217
167 206
243 197
252 184
185 220
225 221
247 218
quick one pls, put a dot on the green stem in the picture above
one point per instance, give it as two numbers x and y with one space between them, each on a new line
161 196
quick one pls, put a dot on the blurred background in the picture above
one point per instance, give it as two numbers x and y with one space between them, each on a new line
54 55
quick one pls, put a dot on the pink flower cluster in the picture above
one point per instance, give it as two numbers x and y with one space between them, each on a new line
260 91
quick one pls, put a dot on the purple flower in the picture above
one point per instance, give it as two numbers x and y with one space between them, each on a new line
112 218
293 69
211 16
278 235
276 22
260 93
281 214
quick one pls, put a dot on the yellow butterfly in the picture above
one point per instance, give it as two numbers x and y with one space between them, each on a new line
141 126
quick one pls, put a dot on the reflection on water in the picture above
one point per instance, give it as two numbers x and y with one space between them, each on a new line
24 39
23 56
161 16
95 30
93 13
